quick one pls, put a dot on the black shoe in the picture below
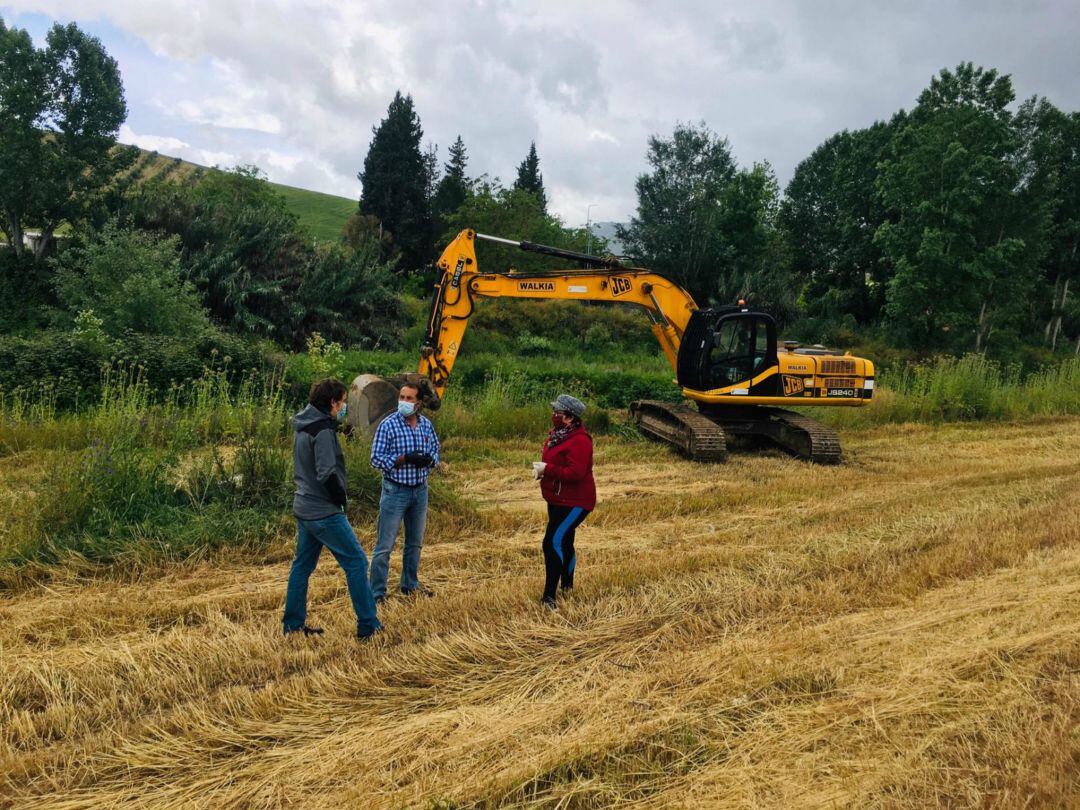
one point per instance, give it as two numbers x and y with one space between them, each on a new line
380 600
567 589
549 603
366 636
307 631
419 590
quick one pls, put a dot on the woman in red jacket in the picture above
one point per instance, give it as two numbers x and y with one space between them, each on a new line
566 482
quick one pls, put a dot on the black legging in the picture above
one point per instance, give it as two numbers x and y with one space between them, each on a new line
559 546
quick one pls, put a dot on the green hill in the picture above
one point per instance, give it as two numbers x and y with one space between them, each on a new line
321 214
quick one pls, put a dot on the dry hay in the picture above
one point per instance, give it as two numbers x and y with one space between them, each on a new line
899 631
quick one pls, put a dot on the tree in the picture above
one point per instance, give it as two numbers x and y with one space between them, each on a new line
1049 162
454 187
757 269
257 271
529 177
22 105
964 250
703 223
62 108
431 170
395 181
830 213
516 214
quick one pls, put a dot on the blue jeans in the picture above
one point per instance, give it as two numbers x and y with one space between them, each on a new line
398 504
336 534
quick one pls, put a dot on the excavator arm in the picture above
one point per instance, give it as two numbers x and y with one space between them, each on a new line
461 284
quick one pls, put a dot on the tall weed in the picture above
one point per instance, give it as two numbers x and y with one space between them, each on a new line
972 387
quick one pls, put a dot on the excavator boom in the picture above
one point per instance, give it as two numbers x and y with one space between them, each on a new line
461 285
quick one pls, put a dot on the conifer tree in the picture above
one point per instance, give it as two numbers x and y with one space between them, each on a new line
454 187
529 177
395 182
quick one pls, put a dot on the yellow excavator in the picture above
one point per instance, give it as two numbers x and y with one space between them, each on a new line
726 359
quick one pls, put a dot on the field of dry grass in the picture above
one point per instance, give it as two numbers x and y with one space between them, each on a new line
899 631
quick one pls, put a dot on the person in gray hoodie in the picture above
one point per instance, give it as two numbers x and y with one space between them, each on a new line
319 508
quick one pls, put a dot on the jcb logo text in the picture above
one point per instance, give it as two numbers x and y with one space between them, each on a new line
793 385
620 286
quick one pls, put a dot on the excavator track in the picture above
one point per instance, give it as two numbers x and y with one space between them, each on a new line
691 433
799 435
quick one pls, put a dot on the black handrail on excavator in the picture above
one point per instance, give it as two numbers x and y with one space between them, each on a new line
609 262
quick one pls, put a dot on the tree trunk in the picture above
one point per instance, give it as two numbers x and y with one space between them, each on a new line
42 247
1060 315
1053 310
981 330
14 234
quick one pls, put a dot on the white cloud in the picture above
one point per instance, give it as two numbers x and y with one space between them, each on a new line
165 144
174 147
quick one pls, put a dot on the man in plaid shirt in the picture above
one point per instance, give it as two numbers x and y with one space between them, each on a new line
405 450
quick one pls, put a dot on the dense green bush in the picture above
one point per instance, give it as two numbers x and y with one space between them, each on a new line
604 385
25 293
130 280
69 364
570 326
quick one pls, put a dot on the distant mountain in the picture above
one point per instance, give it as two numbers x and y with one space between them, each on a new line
606 230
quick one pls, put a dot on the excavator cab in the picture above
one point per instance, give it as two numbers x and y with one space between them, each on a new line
726 347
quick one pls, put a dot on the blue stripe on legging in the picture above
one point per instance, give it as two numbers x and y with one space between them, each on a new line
560 532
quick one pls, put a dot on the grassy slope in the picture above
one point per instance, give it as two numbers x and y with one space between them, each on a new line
901 630
322 214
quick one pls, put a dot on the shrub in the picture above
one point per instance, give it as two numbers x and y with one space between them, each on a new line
527 344
70 365
25 293
564 323
131 280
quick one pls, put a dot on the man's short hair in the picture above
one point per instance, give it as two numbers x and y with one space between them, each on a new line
323 392
414 386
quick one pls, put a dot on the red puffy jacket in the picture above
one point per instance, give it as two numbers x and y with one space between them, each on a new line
568 478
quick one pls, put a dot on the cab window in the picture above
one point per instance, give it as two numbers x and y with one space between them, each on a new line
734 355
761 347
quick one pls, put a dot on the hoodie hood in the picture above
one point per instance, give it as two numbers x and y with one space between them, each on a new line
309 416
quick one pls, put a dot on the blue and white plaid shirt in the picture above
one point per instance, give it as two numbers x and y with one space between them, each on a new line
395 438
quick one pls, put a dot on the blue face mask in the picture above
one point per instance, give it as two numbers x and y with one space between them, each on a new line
406 408
343 412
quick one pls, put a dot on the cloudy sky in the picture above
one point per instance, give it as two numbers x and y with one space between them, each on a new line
294 86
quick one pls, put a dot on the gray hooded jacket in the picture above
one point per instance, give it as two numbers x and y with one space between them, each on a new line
318 466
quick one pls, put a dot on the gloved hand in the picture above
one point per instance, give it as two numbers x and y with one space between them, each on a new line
538 469
419 459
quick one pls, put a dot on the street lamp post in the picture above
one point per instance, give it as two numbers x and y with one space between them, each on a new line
588 222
